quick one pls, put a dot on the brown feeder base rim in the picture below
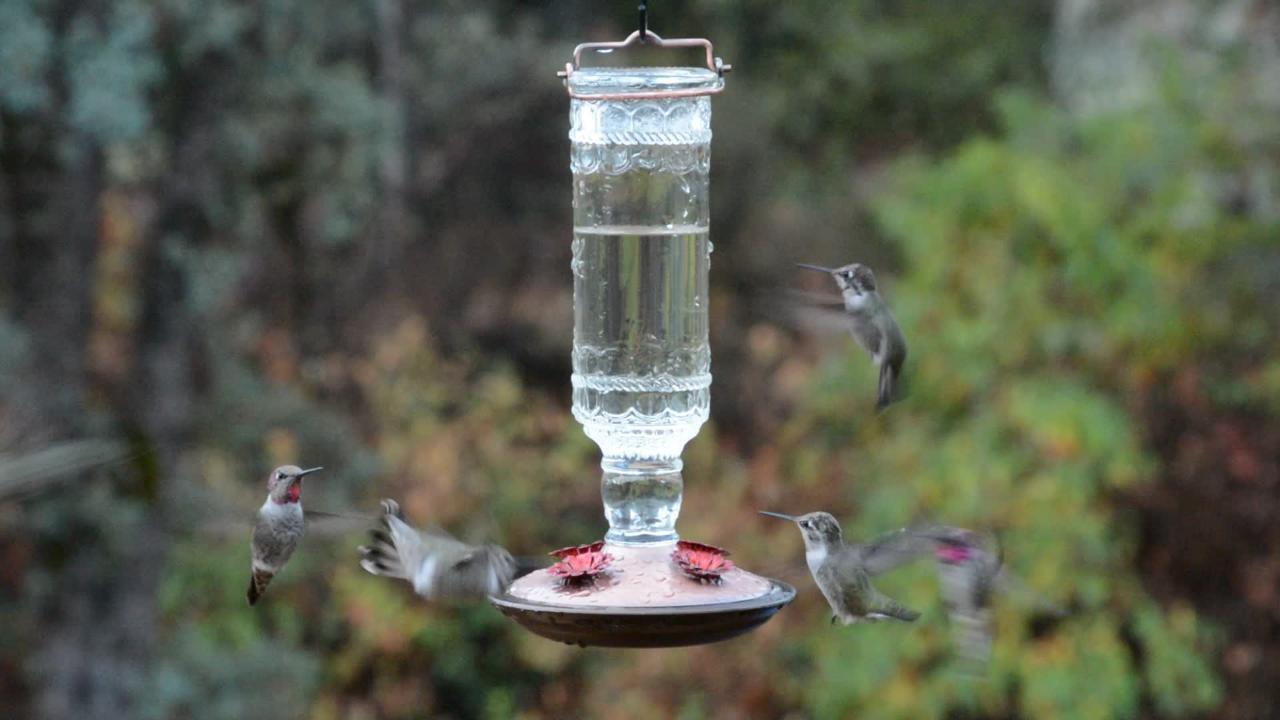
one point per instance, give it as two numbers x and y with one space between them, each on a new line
646 627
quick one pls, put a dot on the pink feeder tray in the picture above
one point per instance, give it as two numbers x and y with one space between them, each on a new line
638 597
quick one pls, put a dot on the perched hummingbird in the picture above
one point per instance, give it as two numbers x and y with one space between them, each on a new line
281 523
872 324
438 566
843 571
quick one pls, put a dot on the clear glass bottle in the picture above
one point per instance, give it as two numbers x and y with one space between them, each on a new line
641 149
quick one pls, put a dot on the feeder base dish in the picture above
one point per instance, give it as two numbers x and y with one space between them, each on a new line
642 599
646 627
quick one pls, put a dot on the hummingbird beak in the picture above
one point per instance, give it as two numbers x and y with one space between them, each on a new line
308 471
819 268
778 515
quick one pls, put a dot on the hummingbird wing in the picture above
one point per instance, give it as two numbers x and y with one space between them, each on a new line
966 593
894 549
400 551
891 364
28 472
480 571
331 523
968 590
814 299
817 313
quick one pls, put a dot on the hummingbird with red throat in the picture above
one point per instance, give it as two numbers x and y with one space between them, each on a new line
281 523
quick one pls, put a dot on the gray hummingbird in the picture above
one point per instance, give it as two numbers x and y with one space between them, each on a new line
971 571
843 571
280 525
438 566
873 326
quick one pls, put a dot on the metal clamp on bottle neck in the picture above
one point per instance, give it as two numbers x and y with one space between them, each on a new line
644 36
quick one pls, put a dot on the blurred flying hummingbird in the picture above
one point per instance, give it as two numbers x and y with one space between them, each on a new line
281 523
843 571
873 326
438 566
968 573
970 569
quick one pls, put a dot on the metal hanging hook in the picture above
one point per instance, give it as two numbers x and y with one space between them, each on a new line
644 36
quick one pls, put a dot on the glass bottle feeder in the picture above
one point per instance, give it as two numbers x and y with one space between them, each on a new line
641 160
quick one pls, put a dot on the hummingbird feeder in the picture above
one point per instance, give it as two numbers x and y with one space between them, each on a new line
640 157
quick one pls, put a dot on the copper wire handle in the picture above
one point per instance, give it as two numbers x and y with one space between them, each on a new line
714 64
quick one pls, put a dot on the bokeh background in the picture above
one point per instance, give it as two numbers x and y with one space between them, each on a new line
235 234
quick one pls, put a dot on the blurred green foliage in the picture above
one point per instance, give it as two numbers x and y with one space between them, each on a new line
1049 276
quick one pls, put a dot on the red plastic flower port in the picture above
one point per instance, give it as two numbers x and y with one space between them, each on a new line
580 563
701 562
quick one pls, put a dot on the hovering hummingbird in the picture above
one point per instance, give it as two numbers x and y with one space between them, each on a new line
438 566
971 571
968 573
969 566
873 326
843 571
281 523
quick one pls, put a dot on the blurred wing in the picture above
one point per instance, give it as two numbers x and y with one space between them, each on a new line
399 551
949 533
792 572
819 321
29 472
817 313
966 593
479 572
328 523
815 299
895 549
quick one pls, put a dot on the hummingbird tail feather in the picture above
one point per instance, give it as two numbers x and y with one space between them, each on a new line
973 636
376 561
888 378
382 555
892 608
258 584
381 558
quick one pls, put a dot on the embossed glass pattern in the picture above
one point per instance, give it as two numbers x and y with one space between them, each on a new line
641 253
